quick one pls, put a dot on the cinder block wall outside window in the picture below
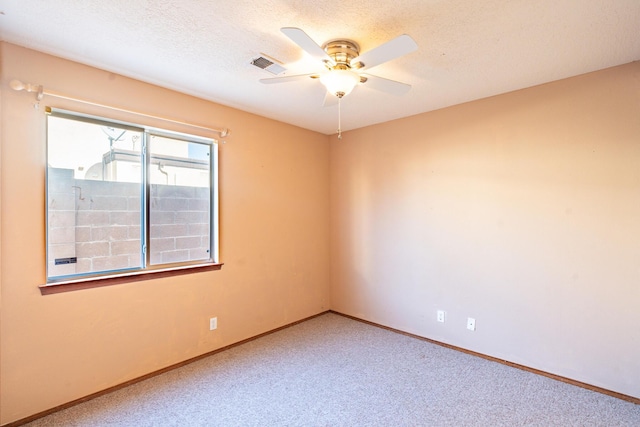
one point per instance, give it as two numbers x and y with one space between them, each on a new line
179 223
98 222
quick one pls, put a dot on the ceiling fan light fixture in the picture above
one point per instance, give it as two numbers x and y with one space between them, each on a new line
340 82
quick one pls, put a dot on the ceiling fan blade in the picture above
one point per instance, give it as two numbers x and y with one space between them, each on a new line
285 79
392 49
303 40
385 85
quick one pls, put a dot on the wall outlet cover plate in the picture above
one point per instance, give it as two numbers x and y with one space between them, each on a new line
471 324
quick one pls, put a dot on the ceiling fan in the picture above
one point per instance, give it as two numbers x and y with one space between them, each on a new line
345 66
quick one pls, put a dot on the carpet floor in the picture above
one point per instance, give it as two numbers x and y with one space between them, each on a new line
334 371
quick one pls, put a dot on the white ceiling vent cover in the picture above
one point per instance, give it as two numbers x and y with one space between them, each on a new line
268 64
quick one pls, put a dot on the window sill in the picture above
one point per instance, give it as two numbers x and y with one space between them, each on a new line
117 279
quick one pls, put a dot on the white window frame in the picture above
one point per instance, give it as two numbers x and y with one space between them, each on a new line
146 266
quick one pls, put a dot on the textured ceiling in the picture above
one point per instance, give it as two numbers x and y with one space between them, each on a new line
467 49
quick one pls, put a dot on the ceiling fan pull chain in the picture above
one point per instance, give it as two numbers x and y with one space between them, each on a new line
339 118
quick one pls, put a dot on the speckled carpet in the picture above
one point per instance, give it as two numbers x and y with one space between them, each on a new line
334 371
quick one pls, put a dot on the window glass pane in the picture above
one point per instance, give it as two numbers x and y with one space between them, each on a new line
179 200
94 195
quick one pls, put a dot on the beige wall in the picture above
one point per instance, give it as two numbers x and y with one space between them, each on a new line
521 210
274 242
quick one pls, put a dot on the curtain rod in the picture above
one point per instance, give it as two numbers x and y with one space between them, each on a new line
40 93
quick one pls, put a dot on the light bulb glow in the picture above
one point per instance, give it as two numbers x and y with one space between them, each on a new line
340 82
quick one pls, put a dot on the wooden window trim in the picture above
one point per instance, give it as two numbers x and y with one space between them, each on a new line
129 277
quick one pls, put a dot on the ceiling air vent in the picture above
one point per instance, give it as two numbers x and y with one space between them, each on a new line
268 64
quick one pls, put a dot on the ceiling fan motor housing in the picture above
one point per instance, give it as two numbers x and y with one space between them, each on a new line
342 51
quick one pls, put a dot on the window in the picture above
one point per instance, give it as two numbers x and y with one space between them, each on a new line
122 197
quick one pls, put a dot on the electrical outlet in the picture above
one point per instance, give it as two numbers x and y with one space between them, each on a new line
441 316
213 323
471 324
